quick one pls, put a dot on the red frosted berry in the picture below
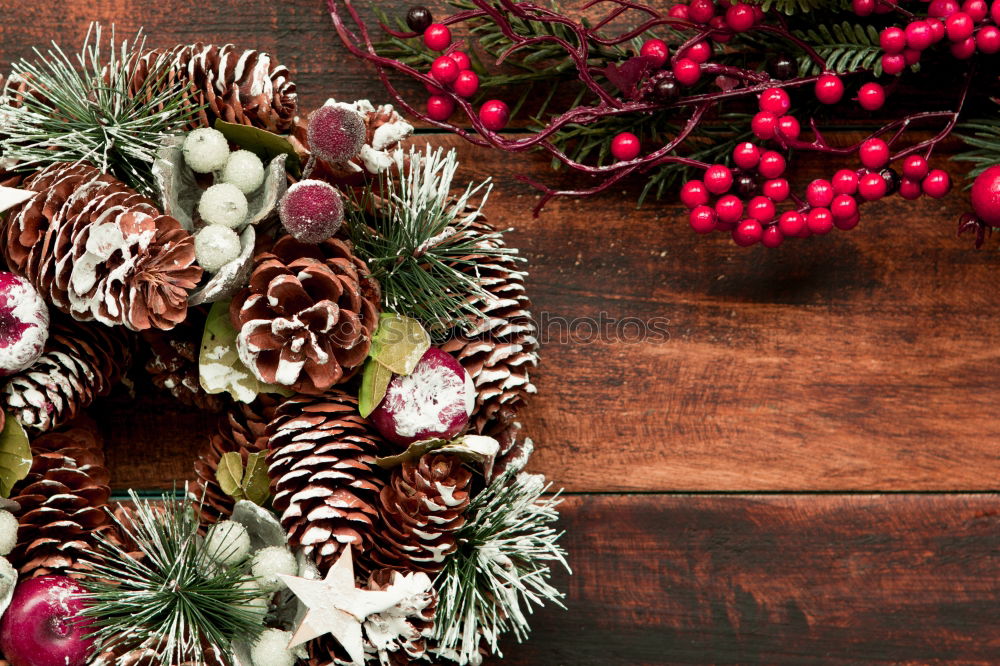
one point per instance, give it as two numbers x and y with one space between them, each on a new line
843 207
847 223
915 167
702 219
892 40
701 11
820 221
988 39
687 71
764 125
657 50
919 36
910 189
467 83
819 193
494 114
791 223
893 63
776 189
729 209
964 49
748 232
772 164
776 101
461 59
872 187
699 52
440 108
976 9
845 181
772 237
444 70
829 89
986 196
437 37
936 184
959 26
740 17
311 211
761 208
863 7
871 97
874 153
694 193
718 178
625 146
746 155
336 133
788 127
942 8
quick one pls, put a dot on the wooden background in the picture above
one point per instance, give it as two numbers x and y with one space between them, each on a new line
800 471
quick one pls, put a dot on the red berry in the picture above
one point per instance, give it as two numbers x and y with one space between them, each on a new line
761 208
764 124
625 146
740 17
893 63
964 49
959 26
772 237
995 12
772 164
863 7
919 36
986 196
871 97
718 178
440 108
434 90
829 89
936 184
721 34
988 39
843 206
872 187
694 193
437 37
884 6
494 114
911 56
444 70
701 11
976 9
467 83
776 101
942 8
679 12
874 153
820 221
729 208
699 52
847 223
748 232
657 50
776 189
915 167
746 155
910 189
845 181
892 40
461 59
788 127
687 71
791 223
937 28
819 193
702 219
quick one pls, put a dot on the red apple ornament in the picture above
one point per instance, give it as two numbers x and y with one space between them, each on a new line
24 324
42 627
433 401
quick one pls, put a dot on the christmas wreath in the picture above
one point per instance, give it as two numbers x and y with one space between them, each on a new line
360 328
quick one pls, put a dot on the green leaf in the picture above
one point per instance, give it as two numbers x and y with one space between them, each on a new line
15 455
846 47
399 343
256 485
229 474
219 366
266 145
470 448
374 382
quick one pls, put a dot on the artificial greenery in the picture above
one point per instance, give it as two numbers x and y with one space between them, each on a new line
845 46
501 569
85 110
983 138
792 7
174 599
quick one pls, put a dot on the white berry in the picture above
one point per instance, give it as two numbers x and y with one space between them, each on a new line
228 543
8 532
223 204
267 563
271 649
205 150
215 246
244 170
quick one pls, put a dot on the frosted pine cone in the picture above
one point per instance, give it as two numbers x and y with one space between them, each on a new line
307 318
172 363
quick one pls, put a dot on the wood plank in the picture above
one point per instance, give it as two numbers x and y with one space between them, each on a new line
802 579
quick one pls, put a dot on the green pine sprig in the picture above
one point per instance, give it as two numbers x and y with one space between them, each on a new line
793 7
845 46
983 138
501 570
81 109
175 599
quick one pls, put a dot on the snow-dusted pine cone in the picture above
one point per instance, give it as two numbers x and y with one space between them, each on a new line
502 348
421 508
172 362
307 318
97 250
81 361
324 478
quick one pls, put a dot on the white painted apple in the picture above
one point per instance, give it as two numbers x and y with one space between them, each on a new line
24 324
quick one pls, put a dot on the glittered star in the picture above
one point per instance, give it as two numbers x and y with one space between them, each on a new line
337 607
10 197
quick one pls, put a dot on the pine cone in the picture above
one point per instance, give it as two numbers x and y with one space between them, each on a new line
97 250
421 508
307 318
173 362
241 428
501 348
63 501
514 451
324 478
248 88
81 362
